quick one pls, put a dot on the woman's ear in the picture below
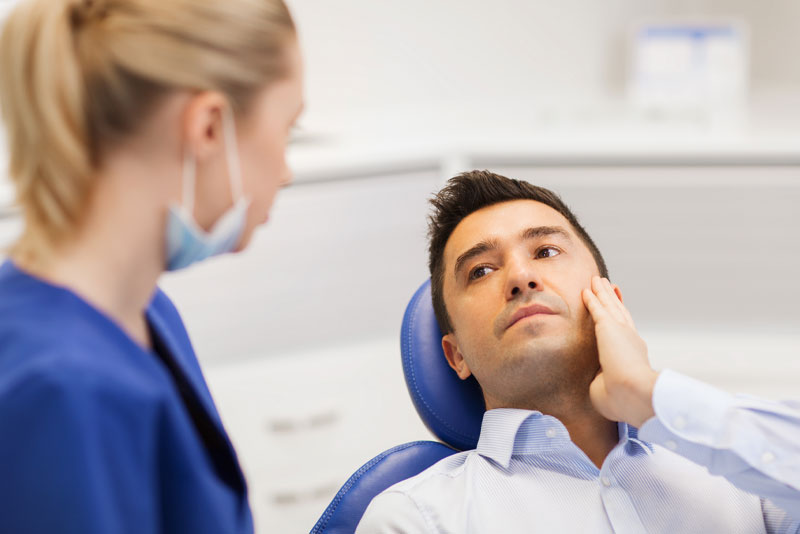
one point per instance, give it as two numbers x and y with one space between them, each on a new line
202 124
454 357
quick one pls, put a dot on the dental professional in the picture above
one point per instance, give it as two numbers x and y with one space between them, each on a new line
144 136
752 442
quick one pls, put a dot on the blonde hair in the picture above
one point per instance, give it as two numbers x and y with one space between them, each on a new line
78 76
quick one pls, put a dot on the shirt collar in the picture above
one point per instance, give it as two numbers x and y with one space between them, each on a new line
509 431
631 434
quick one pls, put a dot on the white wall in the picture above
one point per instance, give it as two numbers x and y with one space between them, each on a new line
775 29
370 63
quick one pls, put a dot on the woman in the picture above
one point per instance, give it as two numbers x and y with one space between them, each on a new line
144 135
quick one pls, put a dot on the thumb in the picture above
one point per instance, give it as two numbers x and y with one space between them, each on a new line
598 394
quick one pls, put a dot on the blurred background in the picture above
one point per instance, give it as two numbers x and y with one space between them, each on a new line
671 127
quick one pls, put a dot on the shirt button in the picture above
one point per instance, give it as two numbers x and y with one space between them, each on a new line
671 445
606 482
550 432
767 457
679 422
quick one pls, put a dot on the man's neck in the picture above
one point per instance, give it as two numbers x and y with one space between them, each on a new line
589 431
592 433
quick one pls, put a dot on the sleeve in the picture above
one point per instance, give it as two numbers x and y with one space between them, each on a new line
75 457
754 443
392 512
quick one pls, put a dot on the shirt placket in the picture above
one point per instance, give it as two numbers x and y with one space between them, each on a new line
618 505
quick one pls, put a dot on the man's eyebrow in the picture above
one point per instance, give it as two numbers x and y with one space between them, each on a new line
542 231
534 232
477 250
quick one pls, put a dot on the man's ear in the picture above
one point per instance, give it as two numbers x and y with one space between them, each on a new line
617 291
454 357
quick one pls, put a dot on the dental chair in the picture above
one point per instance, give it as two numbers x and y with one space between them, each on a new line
452 410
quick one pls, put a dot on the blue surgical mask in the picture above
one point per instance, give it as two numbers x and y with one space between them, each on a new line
187 243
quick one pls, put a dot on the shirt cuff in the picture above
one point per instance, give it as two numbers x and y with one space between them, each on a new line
688 409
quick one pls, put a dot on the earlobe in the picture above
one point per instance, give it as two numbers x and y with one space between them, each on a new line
454 357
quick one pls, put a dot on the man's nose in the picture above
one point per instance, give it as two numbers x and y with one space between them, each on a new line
523 277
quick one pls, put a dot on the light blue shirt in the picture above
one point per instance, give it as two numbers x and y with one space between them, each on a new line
526 475
754 443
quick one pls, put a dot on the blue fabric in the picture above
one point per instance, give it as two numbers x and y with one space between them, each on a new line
450 407
94 437
753 442
389 467
526 475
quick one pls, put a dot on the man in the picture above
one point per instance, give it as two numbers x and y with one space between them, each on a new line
509 263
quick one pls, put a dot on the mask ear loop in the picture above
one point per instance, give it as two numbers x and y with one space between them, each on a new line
189 177
232 154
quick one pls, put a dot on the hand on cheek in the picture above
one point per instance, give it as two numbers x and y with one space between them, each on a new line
623 389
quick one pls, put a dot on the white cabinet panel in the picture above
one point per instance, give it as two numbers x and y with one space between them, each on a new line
303 423
764 364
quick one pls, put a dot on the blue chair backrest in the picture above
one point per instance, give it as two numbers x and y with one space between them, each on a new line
451 408
398 463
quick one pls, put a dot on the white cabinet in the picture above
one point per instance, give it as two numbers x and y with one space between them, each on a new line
303 423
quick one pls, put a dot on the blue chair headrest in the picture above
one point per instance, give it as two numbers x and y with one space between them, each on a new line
451 408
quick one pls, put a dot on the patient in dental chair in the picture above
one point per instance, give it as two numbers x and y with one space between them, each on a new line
508 261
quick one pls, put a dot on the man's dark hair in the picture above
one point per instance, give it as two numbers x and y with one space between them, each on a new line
469 192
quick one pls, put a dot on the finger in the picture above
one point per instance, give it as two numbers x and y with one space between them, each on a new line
628 316
607 298
622 307
619 307
596 309
599 396
619 304
598 385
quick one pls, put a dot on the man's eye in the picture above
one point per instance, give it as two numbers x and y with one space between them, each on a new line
479 272
547 252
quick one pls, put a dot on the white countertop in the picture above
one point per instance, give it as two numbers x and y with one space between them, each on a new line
340 157
602 132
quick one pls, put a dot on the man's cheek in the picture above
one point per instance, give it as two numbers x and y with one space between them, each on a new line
584 321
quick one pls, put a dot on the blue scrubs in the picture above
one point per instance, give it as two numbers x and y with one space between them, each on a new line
97 434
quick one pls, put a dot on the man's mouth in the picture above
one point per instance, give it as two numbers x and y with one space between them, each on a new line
528 311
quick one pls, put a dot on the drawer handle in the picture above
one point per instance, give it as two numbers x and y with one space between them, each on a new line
287 426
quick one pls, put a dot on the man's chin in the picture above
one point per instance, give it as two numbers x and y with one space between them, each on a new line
542 340
538 346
